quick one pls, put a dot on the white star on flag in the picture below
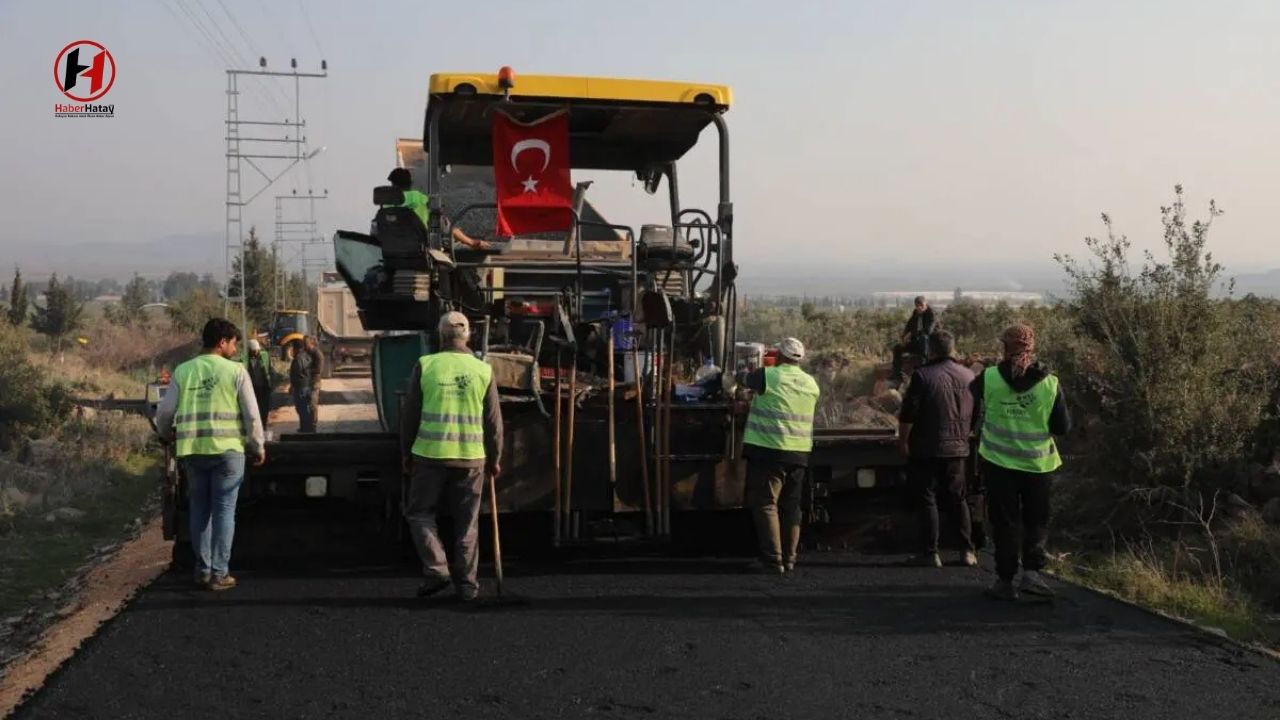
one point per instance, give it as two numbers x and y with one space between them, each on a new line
530 185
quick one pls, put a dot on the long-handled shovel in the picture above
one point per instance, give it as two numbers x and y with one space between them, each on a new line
502 597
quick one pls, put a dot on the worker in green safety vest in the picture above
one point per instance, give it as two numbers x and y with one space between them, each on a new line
210 414
451 435
258 363
1021 407
417 201
776 444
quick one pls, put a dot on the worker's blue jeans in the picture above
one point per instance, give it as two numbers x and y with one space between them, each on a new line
213 484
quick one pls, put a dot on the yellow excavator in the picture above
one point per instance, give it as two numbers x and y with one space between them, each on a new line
288 327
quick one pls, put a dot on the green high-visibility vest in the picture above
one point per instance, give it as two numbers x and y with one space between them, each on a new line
454 386
208 420
1015 426
782 417
417 202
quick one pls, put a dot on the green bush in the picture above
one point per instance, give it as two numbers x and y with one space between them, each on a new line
29 403
1177 380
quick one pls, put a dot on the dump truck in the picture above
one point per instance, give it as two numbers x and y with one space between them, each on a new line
346 345
608 341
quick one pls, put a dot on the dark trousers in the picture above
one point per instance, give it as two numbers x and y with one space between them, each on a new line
774 494
459 491
306 400
1017 498
931 477
263 396
918 346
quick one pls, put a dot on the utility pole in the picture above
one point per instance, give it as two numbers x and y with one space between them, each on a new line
258 148
306 232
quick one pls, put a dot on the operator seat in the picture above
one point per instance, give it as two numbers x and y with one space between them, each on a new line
662 247
400 231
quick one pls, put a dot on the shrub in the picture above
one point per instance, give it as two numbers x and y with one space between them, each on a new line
28 402
1176 392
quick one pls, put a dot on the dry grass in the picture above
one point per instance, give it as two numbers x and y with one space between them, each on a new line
1143 575
115 361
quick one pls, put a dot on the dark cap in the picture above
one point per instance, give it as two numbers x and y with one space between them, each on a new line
400 177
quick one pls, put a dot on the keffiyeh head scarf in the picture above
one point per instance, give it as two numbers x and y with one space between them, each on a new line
1019 347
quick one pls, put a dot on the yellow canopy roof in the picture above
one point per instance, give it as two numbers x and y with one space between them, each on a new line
606 90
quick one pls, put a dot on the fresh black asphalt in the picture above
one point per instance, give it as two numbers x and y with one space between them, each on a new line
310 634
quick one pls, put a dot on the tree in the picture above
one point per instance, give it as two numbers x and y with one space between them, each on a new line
179 285
61 314
259 284
19 301
191 312
259 288
129 311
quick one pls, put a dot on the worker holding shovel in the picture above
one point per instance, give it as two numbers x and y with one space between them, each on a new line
451 435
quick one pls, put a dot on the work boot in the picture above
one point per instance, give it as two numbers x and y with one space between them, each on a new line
970 559
765 567
202 578
1033 584
218 584
1002 590
929 559
467 595
431 586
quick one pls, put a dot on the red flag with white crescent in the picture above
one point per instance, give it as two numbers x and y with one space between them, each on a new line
531 174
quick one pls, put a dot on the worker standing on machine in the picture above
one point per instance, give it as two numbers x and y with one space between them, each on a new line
451 435
776 444
416 200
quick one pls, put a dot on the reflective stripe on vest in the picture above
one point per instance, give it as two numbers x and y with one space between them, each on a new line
207 421
454 386
1015 426
782 417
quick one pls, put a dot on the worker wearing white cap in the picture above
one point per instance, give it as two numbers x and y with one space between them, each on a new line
451 434
776 444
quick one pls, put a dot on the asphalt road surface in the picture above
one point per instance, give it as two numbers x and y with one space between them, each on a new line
323 626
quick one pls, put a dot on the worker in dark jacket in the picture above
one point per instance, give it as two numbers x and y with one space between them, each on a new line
451 435
1022 407
933 431
915 337
304 383
776 444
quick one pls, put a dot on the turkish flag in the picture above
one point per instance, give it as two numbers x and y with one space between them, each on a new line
531 175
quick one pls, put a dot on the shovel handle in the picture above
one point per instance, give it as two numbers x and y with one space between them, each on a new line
497 538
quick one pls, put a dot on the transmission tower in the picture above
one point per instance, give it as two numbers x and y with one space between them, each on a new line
304 233
260 148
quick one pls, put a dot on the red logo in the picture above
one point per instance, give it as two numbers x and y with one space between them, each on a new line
84 71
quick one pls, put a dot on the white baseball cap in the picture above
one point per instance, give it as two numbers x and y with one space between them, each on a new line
254 345
455 319
791 349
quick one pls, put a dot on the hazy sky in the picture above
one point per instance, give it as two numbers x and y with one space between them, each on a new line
940 131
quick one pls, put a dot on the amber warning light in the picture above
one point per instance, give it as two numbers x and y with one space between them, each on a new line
506 77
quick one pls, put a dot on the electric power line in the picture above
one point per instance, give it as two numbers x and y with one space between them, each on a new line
253 48
306 17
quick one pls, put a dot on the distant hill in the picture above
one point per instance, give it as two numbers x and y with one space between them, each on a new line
1263 284
198 253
